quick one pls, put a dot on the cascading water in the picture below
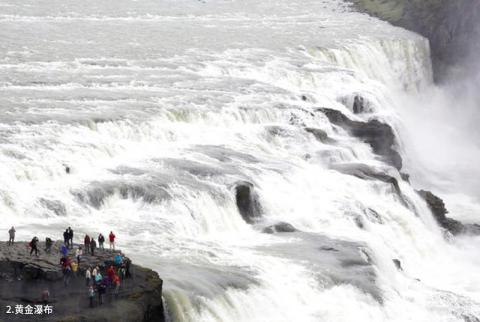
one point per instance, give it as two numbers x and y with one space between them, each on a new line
160 111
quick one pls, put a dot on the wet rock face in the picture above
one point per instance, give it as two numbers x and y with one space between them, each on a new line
281 227
247 202
55 206
451 26
334 262
437 206
378 135
398 264
358 104
319 134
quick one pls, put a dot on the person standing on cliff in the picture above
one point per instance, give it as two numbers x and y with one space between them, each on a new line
93 245
101 240
111 238
70 237
48 245
86 243
11 234
33 246
65 237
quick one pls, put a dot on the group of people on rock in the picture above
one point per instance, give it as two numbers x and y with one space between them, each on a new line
112 278
97 282
89 243
68 237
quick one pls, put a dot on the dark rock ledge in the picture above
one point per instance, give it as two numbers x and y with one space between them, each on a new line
23 279
378 135
437 206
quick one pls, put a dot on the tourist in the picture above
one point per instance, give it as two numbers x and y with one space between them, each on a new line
78 254
11 233
65 237
74 267
116 283
33 246
93 245
91 295
98 277
86 243
102 288
65 261
67 273
118 260
110 273
94 275
45 296
70 237
88 276
111 238
127 268
121 272
64 250
48 245
101 240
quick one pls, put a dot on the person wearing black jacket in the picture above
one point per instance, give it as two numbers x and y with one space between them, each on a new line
93 245
101 240
33 246
66 237
70 237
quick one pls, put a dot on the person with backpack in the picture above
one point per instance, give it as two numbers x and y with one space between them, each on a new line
11 234
33 246
101 240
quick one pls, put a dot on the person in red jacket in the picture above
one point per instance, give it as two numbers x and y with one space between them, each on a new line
111 273
111 238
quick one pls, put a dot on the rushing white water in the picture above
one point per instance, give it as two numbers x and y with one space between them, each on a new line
160 108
